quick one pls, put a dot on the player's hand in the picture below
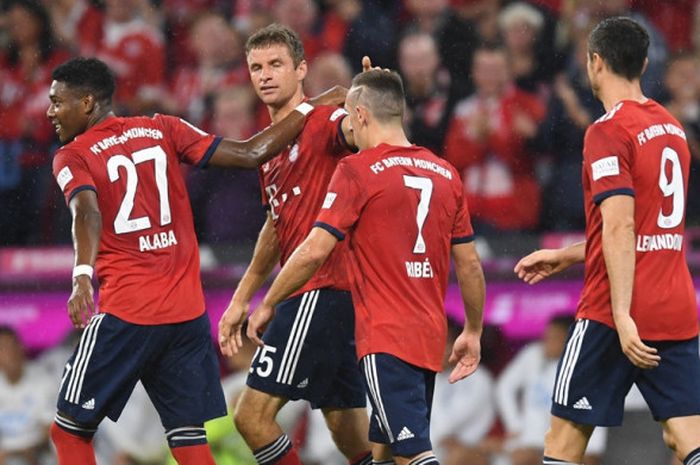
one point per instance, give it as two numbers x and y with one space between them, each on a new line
466 352
230 325
81 304
335 96
258 321
540 265
640 354
367 65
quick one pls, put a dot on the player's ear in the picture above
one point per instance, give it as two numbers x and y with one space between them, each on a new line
644 67
88 101
302 69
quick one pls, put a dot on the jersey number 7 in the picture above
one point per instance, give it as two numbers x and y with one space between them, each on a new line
425 186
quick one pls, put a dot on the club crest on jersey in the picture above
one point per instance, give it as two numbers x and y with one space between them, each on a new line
294 153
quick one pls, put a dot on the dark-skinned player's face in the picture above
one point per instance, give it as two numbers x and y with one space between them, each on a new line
67 111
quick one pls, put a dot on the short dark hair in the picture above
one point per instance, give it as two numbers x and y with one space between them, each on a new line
87 74
563 321
277 34
6 330
623 44
382 92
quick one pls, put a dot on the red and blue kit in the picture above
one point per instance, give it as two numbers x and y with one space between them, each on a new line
294 184
639 149
148 261
401 208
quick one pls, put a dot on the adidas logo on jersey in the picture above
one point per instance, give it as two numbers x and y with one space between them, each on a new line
303 384
89 405
583 404
404 434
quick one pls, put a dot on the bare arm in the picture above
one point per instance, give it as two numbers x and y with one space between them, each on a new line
300 267
86 231
265 256
619 252
544 263
266 144
470 276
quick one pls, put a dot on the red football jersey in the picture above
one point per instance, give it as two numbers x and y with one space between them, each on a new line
294 184
402 208
148 260
641 150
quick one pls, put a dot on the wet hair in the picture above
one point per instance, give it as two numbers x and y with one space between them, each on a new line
89 75
381 92
623 44
277 34
47 41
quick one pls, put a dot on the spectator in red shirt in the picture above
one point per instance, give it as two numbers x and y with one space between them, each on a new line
219 63
487 142
134 49
77 24
25 134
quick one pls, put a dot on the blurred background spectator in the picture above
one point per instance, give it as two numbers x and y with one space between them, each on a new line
487 141
524 393
27 397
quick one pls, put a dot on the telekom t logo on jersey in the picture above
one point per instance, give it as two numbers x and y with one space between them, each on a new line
276 200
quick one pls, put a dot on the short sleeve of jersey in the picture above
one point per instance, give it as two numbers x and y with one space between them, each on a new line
333 118
607 162
343 203
72 174
462 231
193 146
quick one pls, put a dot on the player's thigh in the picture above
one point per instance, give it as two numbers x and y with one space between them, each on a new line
103 370
593 376
183 378
672 389
401 396
309 348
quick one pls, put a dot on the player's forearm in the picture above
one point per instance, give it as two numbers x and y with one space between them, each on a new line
265 256
619 253
261 147
301 266
575 253
470 277
86 230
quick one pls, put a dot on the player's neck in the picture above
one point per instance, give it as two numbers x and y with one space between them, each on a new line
98 116
278 113
388 134
618 89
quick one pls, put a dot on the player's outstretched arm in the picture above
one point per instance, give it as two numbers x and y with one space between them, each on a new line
301 266
86 230
467 347
265 256
544 263
266 144
619 252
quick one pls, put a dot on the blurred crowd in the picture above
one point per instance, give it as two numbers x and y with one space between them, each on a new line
497 87
497 416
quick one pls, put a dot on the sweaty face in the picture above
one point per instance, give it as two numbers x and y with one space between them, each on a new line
66 112
273 74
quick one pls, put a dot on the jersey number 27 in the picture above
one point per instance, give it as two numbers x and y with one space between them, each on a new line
123 223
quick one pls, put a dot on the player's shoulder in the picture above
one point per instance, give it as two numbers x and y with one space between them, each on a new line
611 124
324 114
